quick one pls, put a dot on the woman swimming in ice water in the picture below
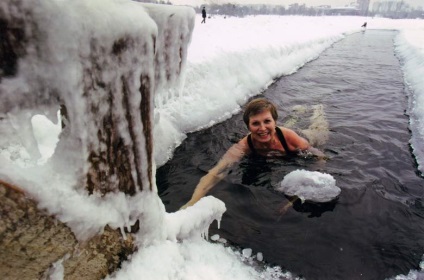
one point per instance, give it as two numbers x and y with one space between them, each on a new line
265 139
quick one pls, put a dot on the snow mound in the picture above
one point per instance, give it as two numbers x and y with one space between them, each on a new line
310 185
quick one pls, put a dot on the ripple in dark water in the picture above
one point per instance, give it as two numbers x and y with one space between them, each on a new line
375 228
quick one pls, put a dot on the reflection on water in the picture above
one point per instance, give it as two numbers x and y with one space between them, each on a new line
375 229
314 209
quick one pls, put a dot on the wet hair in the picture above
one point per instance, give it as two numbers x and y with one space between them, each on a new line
257 106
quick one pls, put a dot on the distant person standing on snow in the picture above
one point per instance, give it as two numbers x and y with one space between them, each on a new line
203 15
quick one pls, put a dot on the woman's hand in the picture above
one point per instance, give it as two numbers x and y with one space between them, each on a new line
217 173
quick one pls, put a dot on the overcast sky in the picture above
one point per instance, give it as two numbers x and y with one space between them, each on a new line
333 3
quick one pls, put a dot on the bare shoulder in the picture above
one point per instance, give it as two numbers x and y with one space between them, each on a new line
242 146
294 140
237 151
243 142
288 133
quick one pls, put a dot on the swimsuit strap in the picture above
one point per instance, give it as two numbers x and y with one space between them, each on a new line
283 141
250 143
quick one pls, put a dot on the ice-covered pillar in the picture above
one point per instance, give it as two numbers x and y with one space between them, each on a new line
175 25
99 62
103 62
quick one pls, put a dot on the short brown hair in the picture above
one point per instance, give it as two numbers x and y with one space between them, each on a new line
257 106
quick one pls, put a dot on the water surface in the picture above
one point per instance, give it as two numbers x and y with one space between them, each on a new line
374 230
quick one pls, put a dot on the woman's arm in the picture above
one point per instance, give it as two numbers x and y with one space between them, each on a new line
317 153
218 172
298 143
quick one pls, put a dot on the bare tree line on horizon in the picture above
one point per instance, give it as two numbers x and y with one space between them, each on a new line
390 9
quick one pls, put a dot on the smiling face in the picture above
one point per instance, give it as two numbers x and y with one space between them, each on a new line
262 126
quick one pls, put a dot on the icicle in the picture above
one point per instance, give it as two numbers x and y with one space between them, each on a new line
21 123
124 236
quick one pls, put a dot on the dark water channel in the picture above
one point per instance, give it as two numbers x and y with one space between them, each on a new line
375 229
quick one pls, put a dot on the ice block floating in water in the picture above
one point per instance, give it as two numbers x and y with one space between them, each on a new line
310 185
